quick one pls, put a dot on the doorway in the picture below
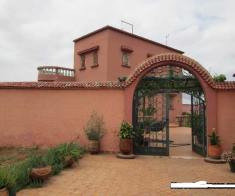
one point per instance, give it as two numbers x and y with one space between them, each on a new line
161 125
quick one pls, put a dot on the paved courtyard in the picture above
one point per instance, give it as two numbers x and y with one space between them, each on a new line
183 137
105 174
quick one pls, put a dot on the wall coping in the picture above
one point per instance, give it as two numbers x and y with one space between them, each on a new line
148 63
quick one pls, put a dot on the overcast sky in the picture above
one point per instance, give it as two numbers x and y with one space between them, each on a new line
40 32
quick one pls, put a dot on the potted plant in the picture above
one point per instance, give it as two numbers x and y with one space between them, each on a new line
40 169
95 131
70 152
126 135
7 181
214 148
230 158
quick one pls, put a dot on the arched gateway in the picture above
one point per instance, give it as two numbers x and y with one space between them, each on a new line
149 91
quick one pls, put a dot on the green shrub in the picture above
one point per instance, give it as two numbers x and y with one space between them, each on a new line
22 170
71 149
122 78
6 179
56 155
37 161
17 176
95 127
214 138
219 78
126 131
55 158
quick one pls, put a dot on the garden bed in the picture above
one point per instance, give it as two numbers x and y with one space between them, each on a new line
10 155
19 166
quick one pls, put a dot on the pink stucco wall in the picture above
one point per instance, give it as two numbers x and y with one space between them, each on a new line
176 109
49 117
226 118
186 108
97 73
140 50
110 55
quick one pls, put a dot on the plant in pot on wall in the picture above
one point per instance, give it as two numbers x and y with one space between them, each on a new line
230 158
95 131
126 135
214 148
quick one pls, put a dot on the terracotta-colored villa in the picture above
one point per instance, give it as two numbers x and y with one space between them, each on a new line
111 69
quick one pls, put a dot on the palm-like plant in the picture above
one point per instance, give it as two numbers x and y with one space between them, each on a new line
214 139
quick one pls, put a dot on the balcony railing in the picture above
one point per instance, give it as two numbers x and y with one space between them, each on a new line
54 73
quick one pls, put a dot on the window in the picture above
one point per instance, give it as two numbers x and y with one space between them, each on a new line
125 58
95 58
83 63
126 51
89 57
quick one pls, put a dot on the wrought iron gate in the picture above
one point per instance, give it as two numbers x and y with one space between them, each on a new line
198 125
151 110
151 122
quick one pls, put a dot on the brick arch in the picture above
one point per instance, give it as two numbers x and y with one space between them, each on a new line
175 59
205 79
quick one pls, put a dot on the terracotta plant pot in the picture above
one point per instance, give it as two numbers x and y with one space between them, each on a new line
214 151
94 146
232 165
42 173
4 192
126 146
69 161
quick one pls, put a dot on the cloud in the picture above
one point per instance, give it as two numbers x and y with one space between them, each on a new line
35 32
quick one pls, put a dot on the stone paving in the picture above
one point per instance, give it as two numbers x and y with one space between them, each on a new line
181 135
105 174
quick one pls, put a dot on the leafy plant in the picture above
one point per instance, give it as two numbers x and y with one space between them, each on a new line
71 149
17 175
95 127
122 78
228 156
20 173
149 111
55 158
126 131
214 138
6 179
219 78
37 161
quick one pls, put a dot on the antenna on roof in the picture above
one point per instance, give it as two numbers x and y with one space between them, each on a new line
132 26
167 35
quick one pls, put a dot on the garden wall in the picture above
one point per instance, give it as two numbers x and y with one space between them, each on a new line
226 117
48 117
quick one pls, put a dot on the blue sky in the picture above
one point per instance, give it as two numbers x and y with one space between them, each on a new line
36 32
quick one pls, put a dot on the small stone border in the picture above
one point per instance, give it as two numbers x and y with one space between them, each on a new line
215 161
125 156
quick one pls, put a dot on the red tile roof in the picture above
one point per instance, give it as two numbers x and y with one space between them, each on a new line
59 85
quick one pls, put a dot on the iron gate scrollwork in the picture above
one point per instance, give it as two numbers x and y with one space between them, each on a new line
151 124
151 110
198 125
